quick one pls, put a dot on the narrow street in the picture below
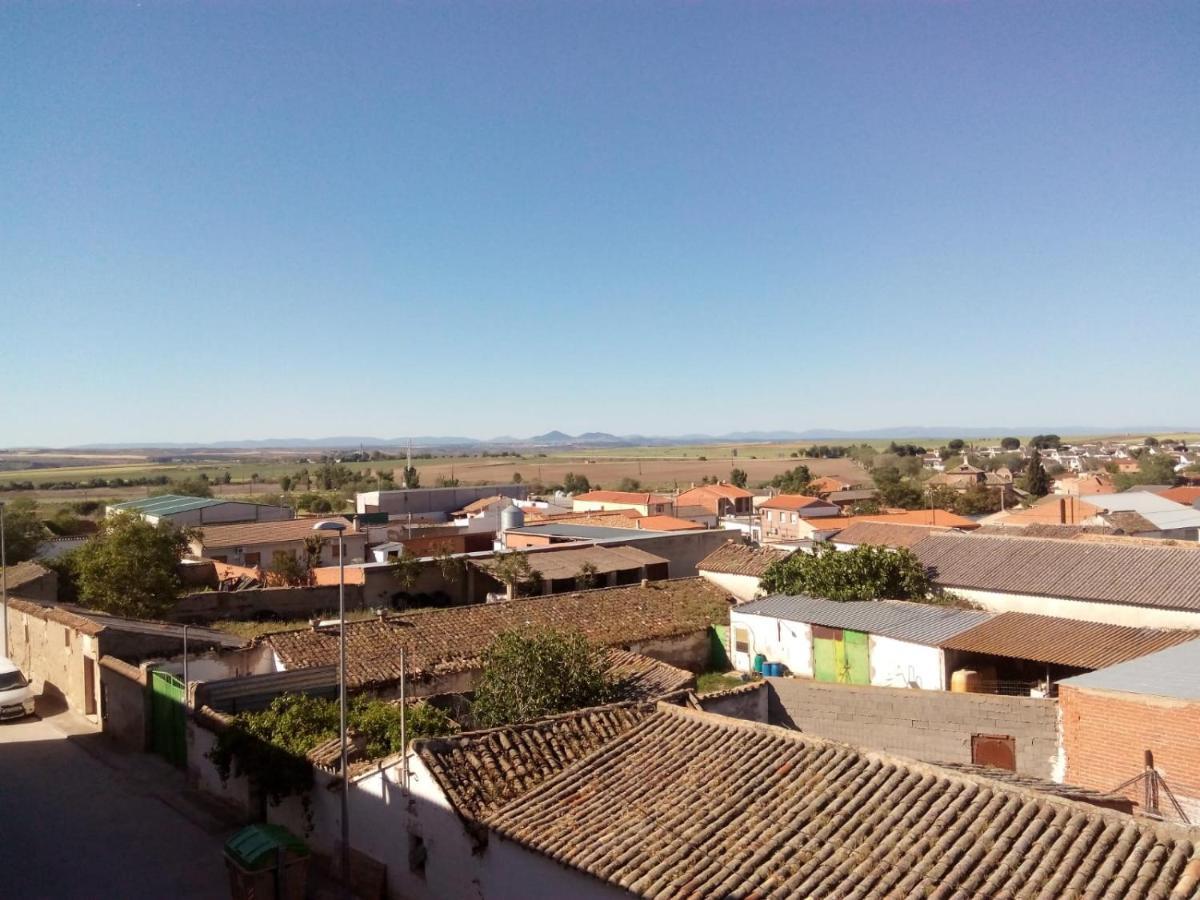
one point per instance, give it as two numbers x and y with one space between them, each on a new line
80 819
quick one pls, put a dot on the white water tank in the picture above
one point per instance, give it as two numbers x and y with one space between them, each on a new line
511 517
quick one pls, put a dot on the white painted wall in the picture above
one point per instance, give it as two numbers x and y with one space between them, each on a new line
744 587
777 639
1110 613
903 664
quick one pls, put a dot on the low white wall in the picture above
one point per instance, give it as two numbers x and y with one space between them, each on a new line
1110 613
902 664
777 639
744 587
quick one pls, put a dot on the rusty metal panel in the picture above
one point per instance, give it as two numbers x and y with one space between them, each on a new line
997 750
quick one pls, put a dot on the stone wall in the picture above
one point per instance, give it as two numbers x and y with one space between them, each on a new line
124 703
284 602
934 726
57 652
686 651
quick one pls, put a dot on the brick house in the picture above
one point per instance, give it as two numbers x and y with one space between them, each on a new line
644 503
781 516
1111 717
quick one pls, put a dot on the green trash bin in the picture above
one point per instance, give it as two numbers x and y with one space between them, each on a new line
266 862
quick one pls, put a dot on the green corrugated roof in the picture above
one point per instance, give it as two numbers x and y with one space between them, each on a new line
166 504
255 846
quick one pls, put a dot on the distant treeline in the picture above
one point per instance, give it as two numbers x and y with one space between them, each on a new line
149 480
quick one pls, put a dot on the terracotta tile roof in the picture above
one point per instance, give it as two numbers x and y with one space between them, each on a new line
631 497
937 517
1054 510
689 804
740 559
250 533
54 614
615 518
482 771
22 573
1045 530
481 504
1185 495
1102 570
1130 522
568 562
796 502
726 491
828 484
851 496
1064 642
442 641
885 534
642 678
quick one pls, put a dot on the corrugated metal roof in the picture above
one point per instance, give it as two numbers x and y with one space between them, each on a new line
919 623
1108 572
1174 672
166 504
1064 642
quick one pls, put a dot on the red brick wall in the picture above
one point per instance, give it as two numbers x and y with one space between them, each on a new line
1105 735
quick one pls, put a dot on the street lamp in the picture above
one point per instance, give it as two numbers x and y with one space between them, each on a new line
3 580
340 527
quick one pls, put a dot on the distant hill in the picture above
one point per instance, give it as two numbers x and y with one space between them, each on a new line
605 439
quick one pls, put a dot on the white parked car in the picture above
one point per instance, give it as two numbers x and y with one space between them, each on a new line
16 695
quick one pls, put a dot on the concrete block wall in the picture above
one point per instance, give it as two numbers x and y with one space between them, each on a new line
125 702
934 726
1106 734
750 702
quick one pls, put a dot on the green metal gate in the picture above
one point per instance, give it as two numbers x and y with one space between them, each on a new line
167 719
840 655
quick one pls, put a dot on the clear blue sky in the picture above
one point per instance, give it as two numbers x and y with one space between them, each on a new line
230 220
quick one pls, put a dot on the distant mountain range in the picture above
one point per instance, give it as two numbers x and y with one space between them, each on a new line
560 439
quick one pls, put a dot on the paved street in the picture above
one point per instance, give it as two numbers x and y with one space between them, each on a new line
78 819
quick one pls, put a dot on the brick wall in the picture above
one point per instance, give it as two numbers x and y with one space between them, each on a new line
935 726
1105 735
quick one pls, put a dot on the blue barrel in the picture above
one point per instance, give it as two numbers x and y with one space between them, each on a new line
771 669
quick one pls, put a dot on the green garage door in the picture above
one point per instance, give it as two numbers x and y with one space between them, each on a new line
840 656
167 721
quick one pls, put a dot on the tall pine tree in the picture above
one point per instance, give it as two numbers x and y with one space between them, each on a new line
1037 482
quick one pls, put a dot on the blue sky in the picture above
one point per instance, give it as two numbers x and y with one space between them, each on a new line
229 220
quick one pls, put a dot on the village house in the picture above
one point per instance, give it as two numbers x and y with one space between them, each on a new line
718 499
781 515
183 511
1113 717
739 568
667 620
882 534
834 821
828 484
828 528
849 499
1121 581
261 544
1083 484
647 504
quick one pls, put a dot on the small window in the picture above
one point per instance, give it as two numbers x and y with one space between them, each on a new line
417 854
252 559
335 549
66 637
741 640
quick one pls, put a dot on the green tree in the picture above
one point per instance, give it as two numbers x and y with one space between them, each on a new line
738 477
1037 481
130 567
1010 443
406 569
516 478
23 530
586 578
793 481
895 490
1045 442
289 570
411 478
1151 442
1156 468
864 573
632 485
956 445
187 487
527 676
285 483
576 484
514 571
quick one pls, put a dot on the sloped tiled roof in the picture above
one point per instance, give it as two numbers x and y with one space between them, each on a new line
666 523
250 533
569 562
440 641
726 491
885 534
1185 495
1102 570
640 677
740 559
632 497
689 804
1064 642
20 574
1130 522
481 771
796 501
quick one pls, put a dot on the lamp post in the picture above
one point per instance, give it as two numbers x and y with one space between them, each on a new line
3 580
340 527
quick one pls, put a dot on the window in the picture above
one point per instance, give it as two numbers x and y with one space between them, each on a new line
741 640
252 559
335 549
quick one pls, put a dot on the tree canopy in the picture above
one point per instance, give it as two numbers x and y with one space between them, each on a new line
1010 443
793 481
23 530
527 676
129 567
864 573
738 477
576 484
1037 481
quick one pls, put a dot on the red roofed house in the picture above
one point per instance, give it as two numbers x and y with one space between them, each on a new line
719 499
782 515
828 484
